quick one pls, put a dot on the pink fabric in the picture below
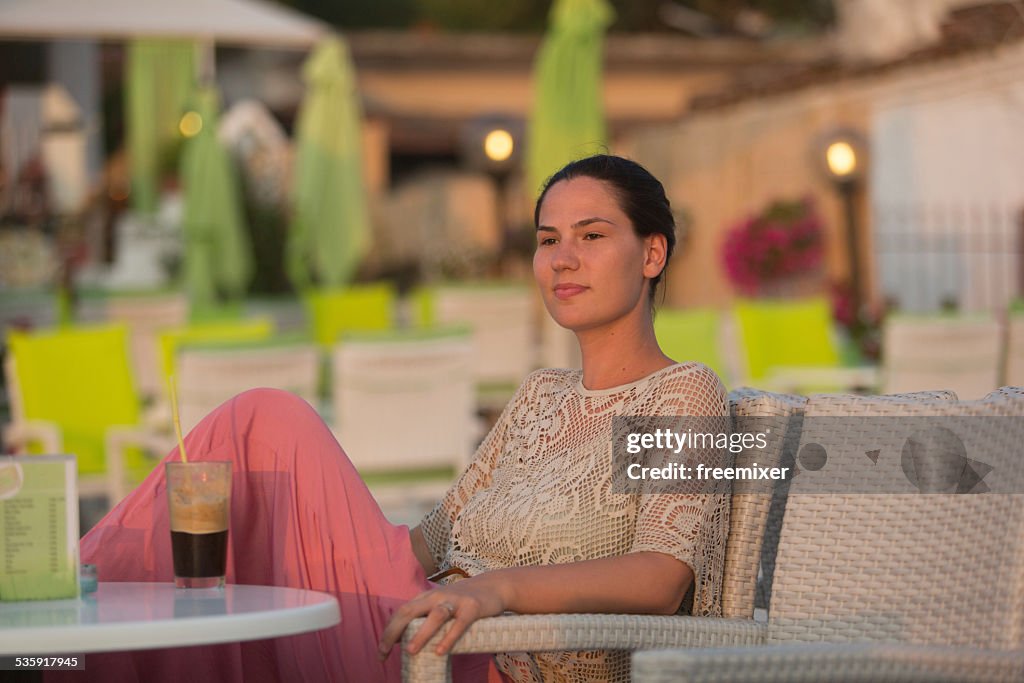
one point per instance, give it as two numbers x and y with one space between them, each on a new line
300 516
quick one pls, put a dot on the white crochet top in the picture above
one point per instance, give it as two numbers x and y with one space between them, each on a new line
539 491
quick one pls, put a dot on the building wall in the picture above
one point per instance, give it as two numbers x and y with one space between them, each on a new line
725 163
947 191
460 95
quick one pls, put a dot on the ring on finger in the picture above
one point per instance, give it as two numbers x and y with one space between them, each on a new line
447 607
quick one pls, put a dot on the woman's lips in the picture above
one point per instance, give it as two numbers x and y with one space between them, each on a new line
567 291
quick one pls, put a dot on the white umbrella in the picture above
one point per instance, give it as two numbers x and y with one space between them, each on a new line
226 22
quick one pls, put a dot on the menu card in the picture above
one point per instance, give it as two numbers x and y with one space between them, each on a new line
38 527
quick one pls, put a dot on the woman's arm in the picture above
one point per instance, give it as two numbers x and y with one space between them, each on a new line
637 583
422 550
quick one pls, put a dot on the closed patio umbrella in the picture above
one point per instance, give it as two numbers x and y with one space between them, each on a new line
218 254
567 119
159 77
329 231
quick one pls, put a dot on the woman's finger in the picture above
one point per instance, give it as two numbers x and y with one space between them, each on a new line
465 616
388 638
439 614
399 620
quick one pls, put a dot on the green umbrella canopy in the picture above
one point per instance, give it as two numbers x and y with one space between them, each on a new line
218 254
567 119
160 76
330 228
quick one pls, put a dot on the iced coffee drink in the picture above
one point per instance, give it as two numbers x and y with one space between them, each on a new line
199 497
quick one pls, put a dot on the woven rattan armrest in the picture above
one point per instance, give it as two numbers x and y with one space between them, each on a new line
837 663
551 632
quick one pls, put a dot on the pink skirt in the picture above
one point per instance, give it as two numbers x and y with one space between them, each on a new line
300 516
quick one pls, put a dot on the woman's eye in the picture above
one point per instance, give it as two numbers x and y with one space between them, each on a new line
546 241
592 236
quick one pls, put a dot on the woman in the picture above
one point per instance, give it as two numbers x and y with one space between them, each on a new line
533 522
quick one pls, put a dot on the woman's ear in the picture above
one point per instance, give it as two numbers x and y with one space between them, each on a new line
655 252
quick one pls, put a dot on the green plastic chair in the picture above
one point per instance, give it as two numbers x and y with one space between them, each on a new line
692 334
78 378
334 312
789 345
226 331
423 307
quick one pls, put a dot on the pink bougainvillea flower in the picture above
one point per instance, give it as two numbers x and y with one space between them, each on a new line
784 240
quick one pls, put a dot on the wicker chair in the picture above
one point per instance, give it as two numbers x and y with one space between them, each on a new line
623 631
751 546
836 663
1006 393
756 410
910 573
777 510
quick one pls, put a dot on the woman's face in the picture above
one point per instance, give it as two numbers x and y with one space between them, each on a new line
591 266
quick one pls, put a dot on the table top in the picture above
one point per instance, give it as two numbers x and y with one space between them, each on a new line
140 616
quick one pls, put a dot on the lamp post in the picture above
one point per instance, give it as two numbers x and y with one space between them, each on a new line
492 144
843 156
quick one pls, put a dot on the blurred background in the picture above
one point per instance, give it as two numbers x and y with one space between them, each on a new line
343 192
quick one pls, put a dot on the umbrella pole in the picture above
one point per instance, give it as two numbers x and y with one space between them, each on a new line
206 62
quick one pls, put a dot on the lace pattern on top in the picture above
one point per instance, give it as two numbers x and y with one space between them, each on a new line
539 491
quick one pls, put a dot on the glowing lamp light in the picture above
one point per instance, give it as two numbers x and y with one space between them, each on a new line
491 143
190 125
499 145
841 159
841 155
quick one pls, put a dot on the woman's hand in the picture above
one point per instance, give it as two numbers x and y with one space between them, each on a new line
636 583
461 603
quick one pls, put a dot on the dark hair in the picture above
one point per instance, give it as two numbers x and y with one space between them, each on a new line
640 195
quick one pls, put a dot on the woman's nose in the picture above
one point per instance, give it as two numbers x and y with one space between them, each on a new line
565 256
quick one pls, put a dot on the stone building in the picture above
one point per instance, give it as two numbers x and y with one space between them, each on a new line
940 210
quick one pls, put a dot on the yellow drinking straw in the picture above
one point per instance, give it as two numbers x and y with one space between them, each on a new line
177 420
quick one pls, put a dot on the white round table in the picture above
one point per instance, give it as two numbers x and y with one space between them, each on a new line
140 616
